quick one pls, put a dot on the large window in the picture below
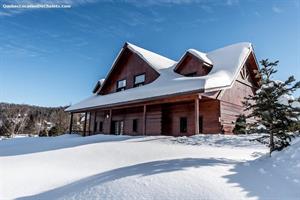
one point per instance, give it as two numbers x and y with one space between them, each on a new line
121 85
183 124
139 80
134 125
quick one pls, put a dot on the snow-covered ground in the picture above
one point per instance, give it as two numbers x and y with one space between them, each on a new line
123 167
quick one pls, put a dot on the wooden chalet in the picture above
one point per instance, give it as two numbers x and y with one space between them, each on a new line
148 94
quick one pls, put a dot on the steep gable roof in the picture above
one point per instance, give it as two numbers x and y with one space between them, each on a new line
154 60
227 62
200 55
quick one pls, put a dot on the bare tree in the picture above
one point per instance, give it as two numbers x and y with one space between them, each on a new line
15 123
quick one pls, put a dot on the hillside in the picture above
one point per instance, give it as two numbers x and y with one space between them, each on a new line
29 119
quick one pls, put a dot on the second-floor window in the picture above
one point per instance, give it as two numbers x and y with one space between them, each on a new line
121 85
139 80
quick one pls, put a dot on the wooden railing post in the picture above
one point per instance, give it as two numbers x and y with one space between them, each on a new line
144 119
71 124
197 116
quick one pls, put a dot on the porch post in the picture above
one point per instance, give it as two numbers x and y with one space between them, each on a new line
110 118
71 124
197 116
84 127
90 123
95 118
144 120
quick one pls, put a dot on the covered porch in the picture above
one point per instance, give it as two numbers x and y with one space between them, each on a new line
177 116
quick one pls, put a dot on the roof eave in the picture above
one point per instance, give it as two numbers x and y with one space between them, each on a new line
133 101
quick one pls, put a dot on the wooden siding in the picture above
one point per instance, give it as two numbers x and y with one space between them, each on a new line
210 113
231 99
171 118
127 67
191 64
154 120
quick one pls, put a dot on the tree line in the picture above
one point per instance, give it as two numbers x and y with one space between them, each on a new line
32 120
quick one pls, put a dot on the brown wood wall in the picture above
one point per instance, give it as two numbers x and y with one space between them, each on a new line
231 102
171 118
127 67
191 64
210 112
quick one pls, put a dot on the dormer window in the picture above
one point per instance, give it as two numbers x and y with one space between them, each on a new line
121 85
192 74
139 80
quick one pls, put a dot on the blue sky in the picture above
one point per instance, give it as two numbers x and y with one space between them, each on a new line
53 57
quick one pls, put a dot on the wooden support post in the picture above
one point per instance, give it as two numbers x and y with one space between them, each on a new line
90 123
84 126
95 119
144 119
197 116
71 124
110 120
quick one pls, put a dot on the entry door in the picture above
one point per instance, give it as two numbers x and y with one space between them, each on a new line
117 127
121 127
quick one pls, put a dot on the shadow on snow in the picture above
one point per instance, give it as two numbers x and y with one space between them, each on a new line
143 169
20 146
263 179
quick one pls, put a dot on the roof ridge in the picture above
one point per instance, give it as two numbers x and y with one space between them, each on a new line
155 60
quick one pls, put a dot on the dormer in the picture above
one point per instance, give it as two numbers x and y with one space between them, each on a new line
194 63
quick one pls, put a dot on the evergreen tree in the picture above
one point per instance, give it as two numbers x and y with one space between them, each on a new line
240 125
273 108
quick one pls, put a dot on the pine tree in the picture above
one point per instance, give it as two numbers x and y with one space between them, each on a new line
273 107
240 125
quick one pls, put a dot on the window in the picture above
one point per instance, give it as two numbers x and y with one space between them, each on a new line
200 124
95 126
191 74
134 125
121 85
101 126
139 80
183 124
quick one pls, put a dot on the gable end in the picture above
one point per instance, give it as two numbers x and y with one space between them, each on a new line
128 65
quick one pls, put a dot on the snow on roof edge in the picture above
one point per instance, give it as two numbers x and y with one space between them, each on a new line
200 55
240 51
147 56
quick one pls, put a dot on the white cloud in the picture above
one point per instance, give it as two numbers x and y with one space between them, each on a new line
277 9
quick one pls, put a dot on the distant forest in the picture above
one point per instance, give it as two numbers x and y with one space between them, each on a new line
32 120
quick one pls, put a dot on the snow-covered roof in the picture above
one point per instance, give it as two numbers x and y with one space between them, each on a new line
98 85
200 55
155 60
226 61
